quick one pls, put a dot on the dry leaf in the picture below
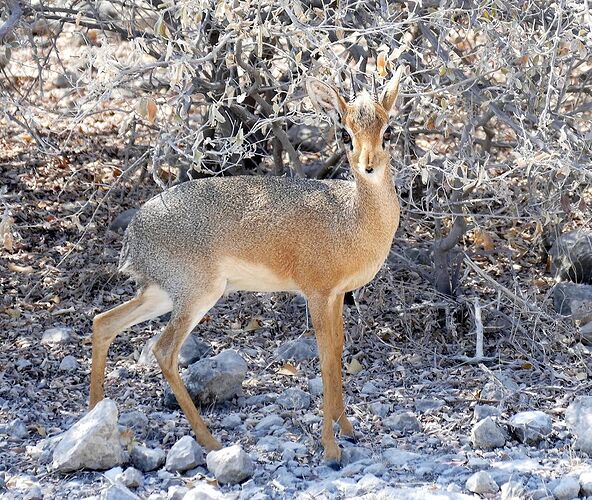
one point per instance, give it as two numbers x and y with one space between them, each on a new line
254 324
483 239
147 108
381 65
354 366
289 369
151 110
15 268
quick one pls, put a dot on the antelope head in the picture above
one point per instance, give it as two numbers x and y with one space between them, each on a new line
363 124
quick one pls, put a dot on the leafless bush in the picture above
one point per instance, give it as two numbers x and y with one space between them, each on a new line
494 130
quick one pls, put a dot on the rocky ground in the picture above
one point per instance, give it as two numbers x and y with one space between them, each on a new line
431 421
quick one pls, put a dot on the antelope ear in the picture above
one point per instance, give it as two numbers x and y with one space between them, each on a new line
325 98
391 91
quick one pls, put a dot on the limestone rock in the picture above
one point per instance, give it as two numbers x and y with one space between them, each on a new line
230 465
92 442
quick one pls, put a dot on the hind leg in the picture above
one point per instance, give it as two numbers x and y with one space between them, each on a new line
184 318
148 304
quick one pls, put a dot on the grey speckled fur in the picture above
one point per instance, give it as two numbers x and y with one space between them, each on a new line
175 236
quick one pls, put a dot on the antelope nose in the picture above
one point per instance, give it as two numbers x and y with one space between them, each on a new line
366 161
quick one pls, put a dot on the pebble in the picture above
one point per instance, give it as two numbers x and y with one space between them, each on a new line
118 491
132 478
379 409
120 223
293 399
586 482
531 426
482 483
213 379
565 488
91 443
578 417
427 404
398 458
315 386
16 429
486 434
135 420
177 492
369 388
402 422
268 422
147 459
58 335
68 364
230 465
231 421
185 454
300 349
483 411
192 350
513 490
204 491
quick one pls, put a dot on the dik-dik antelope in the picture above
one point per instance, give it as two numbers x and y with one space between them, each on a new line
199 240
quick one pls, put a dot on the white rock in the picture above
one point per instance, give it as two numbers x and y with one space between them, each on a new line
59 335
91 443
482 483
147 459
398 458
230 465
579 419
315 386
427 404
176 492
118 492
405 422
185 454
482 411
486 434
531 426
566 488
379 409
68 364
132 478
586 482
513 490
204 491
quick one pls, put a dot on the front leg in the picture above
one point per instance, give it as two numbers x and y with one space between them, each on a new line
324 311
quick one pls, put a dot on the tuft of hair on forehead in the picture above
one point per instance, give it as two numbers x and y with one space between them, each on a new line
364 111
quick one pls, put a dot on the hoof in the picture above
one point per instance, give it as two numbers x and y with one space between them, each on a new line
333 464
350 438
211 444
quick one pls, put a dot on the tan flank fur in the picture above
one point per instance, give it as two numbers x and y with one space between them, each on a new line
199 240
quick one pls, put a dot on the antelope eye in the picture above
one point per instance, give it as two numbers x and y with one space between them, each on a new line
387 135
345 137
